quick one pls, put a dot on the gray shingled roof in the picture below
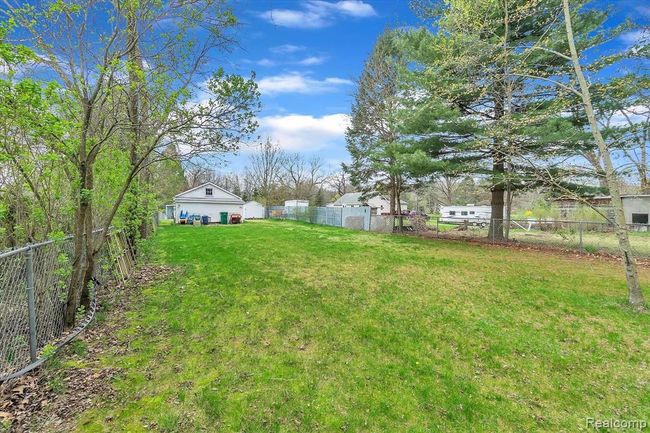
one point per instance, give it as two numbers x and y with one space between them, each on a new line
353 198
350 198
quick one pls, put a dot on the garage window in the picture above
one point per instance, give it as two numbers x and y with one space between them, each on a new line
208 192
639 218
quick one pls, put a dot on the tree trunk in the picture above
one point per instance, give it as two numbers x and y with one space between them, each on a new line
136 108
643 176
79 261
594 160
635 296
10 224
84 255
392 201
497 202
398 201
508 212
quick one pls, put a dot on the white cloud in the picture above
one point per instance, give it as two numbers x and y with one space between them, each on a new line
294 82
287 49
316 14
635 37
311 60
305 132
265 62
295 19
634 114
353 8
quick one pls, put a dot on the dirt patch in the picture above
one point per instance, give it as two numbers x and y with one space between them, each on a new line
47 399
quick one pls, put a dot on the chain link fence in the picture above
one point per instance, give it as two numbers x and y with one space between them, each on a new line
34 283
358 218
586 236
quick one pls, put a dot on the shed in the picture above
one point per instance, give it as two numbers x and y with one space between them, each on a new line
208 199
254 210
636 208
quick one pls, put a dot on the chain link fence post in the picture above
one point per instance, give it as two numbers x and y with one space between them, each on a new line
580 243
31 304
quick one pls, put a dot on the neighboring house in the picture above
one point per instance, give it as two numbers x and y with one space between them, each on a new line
635 206
207 199
378 204
296 203
468 212
254 210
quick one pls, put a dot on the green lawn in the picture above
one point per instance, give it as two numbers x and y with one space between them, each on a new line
287 327
592 241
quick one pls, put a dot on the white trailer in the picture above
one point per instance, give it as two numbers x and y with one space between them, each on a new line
466 214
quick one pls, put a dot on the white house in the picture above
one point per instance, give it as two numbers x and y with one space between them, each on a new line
636 207
207 199
378 204
468 212
296 203
254 210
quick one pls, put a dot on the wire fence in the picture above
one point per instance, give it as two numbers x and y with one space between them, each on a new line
34 283
586 236
583 236
358 218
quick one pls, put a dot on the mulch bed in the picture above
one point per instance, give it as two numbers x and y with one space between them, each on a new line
47 399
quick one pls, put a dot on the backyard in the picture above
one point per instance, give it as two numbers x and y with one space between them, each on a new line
596 238
284 326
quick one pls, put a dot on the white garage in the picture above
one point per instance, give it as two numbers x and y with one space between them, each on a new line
253 210
207 199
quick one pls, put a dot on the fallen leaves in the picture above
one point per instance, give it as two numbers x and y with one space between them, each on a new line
53 396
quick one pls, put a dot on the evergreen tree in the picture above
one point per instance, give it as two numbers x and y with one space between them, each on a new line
469 109
373 140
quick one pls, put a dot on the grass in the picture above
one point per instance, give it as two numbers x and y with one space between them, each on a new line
287 327
592 241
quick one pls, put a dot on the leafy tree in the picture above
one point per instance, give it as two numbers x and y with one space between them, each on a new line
97 74
612 181
373 140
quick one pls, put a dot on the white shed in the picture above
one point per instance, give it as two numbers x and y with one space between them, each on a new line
637 208
254 210
207 199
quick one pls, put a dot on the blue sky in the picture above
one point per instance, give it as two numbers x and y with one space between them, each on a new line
307 53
